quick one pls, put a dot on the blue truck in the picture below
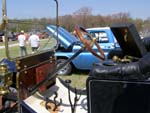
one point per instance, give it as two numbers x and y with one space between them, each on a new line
69 44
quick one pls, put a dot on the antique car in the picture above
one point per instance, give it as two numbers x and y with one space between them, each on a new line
30 84
120 85
69 44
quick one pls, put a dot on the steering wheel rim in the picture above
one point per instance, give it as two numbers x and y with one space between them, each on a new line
89 44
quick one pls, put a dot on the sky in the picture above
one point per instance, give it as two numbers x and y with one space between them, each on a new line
47 8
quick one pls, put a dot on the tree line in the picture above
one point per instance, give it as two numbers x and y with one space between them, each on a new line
82 17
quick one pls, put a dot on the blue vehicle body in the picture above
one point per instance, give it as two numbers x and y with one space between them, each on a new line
71 44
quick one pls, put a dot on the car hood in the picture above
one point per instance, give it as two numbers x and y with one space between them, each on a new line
129 39
65 38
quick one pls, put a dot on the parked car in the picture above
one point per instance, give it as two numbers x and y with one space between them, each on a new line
1 36
69 44
12 36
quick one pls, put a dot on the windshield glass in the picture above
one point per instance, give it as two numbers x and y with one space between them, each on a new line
26 28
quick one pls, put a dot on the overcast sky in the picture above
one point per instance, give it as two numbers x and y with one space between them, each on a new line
46 8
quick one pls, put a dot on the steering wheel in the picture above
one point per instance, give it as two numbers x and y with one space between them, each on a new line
80 31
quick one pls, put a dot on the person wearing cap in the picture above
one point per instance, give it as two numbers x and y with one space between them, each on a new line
22 43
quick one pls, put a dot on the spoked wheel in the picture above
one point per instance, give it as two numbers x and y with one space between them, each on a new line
80 31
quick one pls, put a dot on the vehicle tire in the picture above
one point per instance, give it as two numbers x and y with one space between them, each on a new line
115 53
66 70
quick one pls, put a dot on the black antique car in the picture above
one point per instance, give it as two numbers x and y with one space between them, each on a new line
117 85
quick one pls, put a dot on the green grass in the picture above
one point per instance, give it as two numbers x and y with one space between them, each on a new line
14 51
78 78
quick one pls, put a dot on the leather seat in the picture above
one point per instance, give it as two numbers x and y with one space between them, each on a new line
117 88
134 70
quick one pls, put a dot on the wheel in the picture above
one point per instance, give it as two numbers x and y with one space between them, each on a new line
66 70
80 31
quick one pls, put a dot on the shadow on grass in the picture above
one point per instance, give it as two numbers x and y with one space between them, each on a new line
78 78
81 72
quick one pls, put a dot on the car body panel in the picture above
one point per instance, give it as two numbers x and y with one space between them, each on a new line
85 59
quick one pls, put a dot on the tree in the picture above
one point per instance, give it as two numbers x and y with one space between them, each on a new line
83 16
67 22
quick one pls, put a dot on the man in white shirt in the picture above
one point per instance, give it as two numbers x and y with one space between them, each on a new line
22 43
34 42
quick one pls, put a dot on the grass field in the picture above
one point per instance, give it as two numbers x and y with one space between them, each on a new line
14 51
78 78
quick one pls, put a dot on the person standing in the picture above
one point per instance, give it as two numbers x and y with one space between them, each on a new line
34 42
22 43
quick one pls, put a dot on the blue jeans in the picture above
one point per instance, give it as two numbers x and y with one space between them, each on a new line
23 50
